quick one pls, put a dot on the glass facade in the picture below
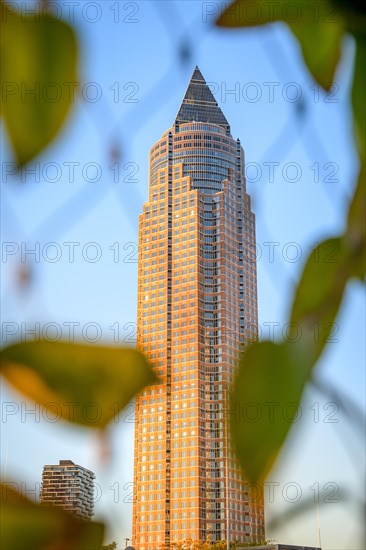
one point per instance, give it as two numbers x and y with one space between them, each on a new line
197 304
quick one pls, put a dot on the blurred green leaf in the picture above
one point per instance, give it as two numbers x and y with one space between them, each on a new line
276 374
87 384
318 296
38 74
327 270
354 12
317 26
263 404
321 46
358 96
355 237
26 525
251 13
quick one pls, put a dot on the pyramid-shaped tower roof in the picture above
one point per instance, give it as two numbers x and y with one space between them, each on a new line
199 104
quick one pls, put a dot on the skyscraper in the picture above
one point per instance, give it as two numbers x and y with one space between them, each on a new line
197 303
70 487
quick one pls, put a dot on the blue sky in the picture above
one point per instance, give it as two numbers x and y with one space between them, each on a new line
140 58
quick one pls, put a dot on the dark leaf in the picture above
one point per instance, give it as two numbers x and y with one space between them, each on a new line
26 525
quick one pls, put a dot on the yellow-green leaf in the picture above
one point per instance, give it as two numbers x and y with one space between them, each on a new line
87 384
320 45
318 26
358 96
264 404
318 296
26 525
323 280
355 237
247 13
39 77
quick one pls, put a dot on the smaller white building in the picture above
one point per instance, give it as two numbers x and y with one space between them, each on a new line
70 487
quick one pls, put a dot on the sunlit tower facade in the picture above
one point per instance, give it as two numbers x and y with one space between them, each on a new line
197 304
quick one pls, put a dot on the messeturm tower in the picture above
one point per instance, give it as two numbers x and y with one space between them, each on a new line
197 304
